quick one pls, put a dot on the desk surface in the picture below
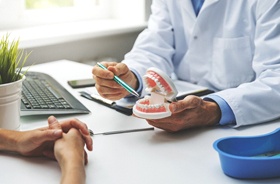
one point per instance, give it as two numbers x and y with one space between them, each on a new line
141 157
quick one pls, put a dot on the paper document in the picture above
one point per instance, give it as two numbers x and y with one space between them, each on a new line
186 88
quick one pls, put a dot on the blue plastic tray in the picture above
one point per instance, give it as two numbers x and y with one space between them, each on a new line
251 157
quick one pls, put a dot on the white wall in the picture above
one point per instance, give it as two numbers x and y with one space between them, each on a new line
84 50
90 49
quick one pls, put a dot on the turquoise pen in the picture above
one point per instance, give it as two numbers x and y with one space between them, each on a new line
121 82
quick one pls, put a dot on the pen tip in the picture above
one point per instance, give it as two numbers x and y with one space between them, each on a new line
90 132
134 93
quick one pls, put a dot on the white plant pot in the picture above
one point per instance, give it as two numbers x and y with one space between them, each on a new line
10 100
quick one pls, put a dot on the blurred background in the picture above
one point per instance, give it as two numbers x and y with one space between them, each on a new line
80 30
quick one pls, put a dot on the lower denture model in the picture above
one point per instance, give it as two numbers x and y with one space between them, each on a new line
162 90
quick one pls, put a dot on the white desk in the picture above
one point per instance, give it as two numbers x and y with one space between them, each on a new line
149 157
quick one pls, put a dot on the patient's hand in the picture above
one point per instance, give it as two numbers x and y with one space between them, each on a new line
69 152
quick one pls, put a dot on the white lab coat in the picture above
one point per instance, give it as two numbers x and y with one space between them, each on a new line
233 47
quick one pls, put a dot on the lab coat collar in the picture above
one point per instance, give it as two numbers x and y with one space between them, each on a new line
208 3
189 19
188 7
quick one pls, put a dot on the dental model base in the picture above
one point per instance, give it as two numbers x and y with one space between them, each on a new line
162 91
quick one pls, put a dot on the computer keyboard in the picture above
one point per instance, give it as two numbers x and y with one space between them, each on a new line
43 95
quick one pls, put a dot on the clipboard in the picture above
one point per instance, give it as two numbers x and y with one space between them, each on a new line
127 110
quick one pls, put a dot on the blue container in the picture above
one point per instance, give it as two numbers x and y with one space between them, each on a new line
250 157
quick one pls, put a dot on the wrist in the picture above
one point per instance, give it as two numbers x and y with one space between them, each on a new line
135 82
227 115
139 83
8 140
71 160
71 164
72 170
215 113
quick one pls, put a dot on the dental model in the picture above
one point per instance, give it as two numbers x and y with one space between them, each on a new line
162 92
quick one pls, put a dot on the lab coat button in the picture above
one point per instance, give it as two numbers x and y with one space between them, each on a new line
195 37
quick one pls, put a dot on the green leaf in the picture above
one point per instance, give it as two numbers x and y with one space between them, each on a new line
12 60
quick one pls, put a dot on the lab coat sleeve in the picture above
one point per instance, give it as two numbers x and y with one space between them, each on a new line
154 46
258 101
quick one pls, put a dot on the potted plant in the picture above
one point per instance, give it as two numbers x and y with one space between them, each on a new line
12 59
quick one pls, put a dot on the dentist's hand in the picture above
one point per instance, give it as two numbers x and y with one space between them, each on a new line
190 112
105 84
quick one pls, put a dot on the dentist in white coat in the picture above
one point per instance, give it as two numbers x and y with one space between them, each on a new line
230 46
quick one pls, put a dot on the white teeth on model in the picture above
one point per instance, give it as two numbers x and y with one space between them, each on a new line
157 82
157 106
146 106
